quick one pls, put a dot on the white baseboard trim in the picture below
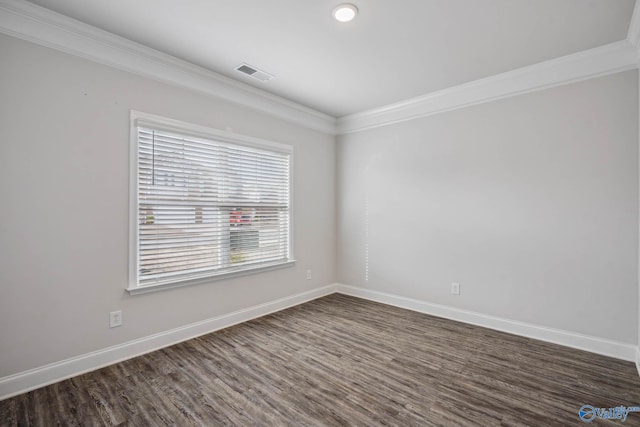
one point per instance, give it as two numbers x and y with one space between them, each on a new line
39 377
602 346
58 371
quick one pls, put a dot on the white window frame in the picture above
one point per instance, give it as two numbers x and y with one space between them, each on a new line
140 119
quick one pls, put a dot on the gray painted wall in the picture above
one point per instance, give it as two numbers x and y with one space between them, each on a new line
530 203
64 156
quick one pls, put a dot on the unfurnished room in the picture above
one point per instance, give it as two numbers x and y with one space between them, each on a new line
314 213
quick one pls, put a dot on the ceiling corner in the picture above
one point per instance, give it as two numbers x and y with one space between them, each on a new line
633 35
608 59
36 24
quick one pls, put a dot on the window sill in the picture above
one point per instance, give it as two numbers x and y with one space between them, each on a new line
138 290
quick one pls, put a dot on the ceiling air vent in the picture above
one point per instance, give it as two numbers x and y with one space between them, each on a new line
254 72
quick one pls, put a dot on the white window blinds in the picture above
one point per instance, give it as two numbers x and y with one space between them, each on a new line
208 207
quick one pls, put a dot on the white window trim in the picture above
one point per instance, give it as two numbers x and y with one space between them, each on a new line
162 123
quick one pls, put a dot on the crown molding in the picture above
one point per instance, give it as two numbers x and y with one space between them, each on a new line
27 21
633 35
600 61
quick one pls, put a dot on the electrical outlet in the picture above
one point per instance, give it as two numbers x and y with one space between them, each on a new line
115 319
308 274
455 288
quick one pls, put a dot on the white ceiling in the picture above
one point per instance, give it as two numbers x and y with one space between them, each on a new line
394 50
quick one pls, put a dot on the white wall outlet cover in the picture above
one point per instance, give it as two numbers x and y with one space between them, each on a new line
455 288
115 319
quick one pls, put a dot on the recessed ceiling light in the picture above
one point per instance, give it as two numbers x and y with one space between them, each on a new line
345 12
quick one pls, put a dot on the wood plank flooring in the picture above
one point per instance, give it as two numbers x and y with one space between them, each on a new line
340 360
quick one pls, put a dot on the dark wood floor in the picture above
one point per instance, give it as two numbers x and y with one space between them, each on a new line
341 361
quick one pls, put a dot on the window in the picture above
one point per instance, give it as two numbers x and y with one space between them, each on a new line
205 204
